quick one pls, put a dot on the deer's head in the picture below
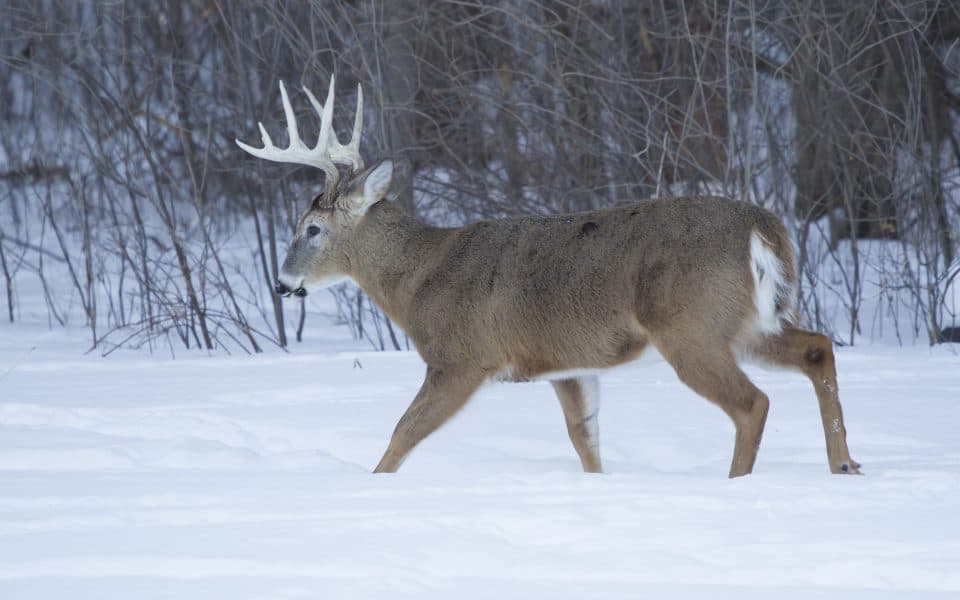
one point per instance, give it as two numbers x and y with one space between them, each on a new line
316 255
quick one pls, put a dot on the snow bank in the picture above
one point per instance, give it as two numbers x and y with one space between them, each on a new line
248 477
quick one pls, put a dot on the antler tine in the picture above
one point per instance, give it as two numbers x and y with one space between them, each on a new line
297 152
326 114
340 154
292 132
354 145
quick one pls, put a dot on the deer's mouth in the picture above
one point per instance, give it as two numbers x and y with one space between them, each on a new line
284 290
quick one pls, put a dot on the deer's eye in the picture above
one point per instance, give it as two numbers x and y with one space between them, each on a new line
313 230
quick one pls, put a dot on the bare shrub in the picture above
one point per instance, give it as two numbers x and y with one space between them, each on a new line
119 175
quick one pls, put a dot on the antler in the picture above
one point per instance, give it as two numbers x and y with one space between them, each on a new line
328 151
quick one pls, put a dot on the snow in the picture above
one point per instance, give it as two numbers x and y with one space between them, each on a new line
139 476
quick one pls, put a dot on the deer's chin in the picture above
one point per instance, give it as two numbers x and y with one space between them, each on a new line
322 283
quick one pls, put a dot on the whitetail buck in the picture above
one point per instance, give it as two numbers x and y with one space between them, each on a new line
705 281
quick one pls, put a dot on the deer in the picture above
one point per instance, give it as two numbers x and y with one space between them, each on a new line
706 282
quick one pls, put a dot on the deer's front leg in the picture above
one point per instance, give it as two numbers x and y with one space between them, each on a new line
443 393
579 399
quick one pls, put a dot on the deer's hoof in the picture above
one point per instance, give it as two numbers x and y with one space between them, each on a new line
849 468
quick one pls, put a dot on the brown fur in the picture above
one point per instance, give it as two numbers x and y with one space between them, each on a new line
523 298
538 295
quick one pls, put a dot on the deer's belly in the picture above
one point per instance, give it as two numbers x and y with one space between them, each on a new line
574 362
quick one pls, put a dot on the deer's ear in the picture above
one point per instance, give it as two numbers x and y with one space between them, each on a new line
377 183
371 186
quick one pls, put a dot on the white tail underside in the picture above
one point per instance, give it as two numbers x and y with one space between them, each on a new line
768 286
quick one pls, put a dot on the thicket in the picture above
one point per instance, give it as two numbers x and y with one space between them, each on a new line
119 172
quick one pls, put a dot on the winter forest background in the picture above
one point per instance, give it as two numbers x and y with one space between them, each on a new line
126 203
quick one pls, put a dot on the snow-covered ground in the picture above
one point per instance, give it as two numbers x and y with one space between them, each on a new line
138 476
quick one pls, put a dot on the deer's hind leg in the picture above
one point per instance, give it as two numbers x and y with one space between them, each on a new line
812 354
579 398
711 371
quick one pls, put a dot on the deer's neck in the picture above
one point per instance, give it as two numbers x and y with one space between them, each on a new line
390 253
